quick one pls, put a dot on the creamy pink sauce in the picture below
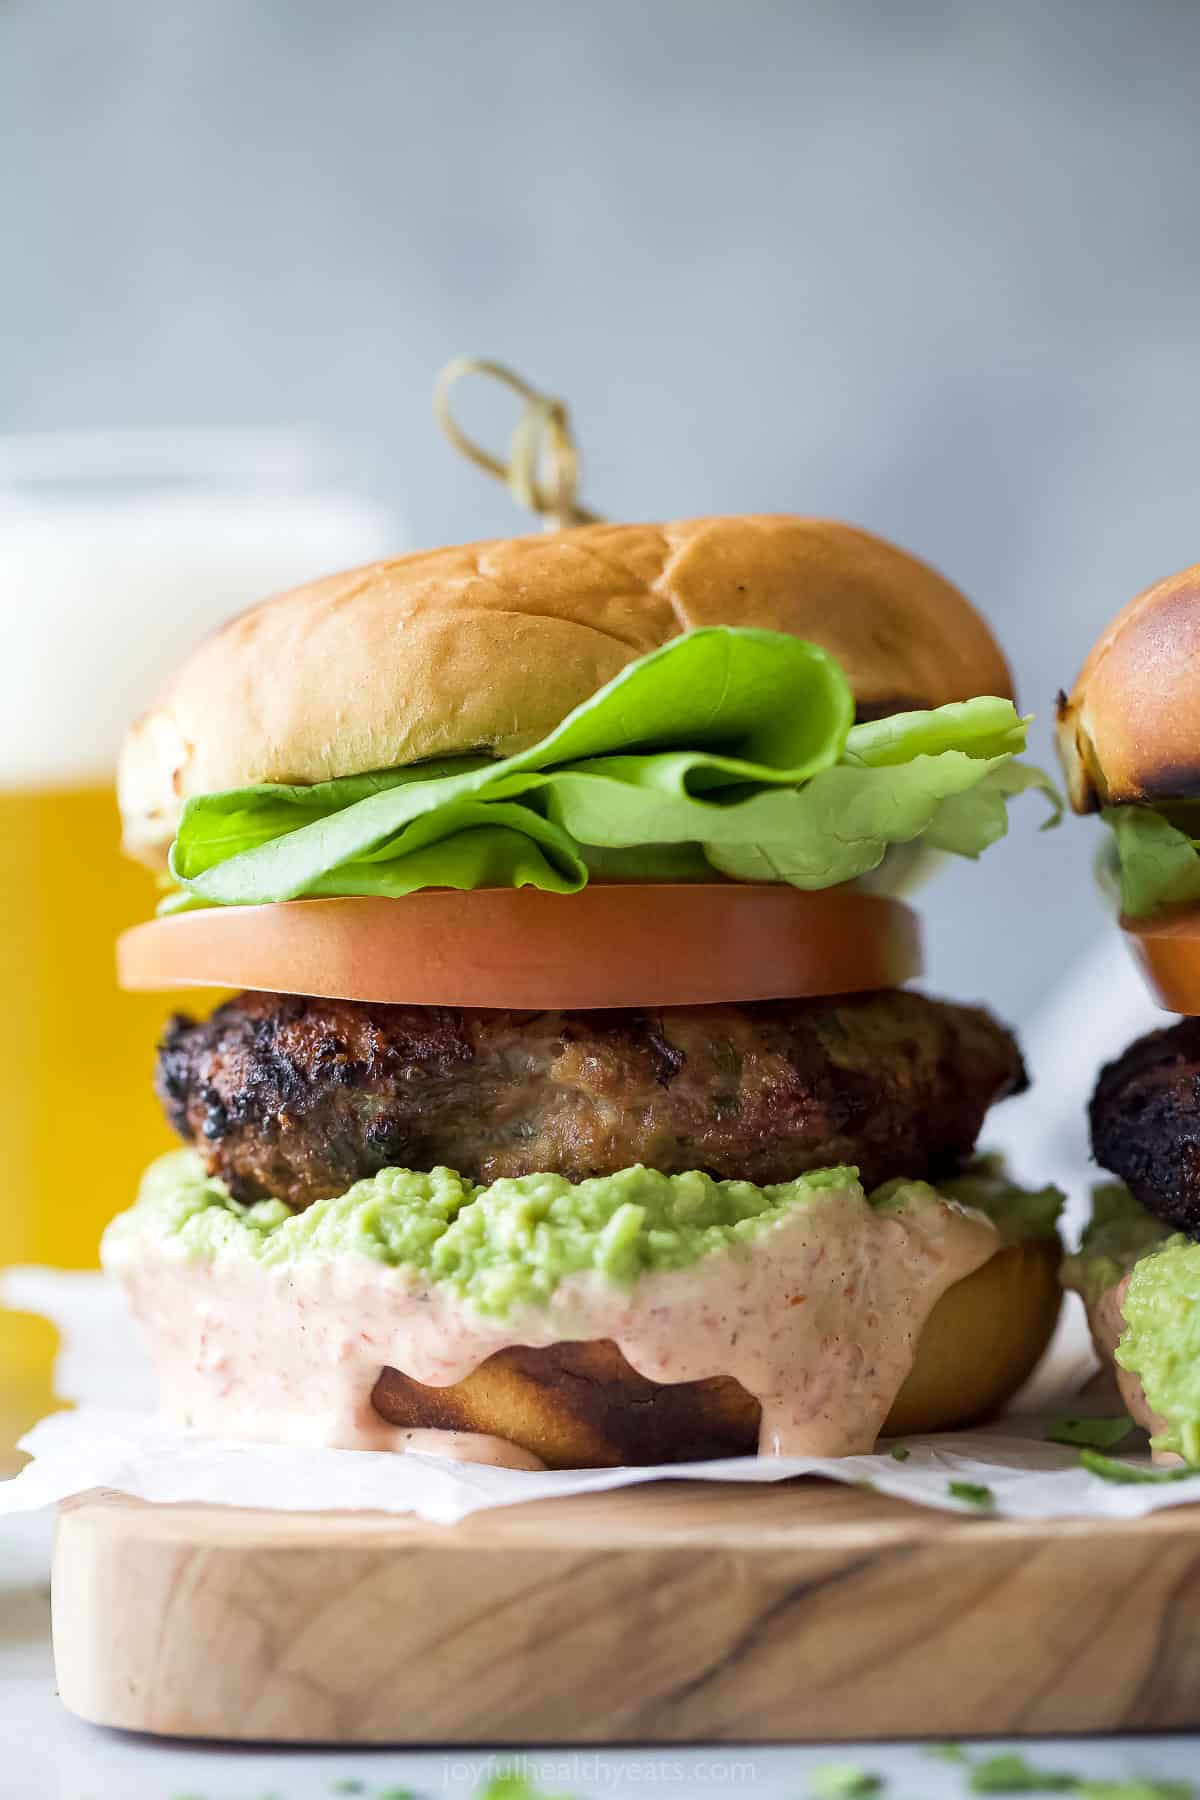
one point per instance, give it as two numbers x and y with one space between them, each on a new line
817 1316
1106 1323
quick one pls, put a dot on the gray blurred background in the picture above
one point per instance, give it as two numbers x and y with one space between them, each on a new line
929 267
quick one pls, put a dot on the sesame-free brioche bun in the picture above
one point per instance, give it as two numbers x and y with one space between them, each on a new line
583 1406
485 647
1130 730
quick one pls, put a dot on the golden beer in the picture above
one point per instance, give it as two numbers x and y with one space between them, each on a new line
117 553
78 1116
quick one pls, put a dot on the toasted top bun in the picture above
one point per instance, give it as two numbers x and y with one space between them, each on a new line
485 647
1130 730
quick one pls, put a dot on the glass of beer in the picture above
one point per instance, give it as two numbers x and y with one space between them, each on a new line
117 553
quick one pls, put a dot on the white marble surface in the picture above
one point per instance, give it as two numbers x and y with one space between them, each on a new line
50 1756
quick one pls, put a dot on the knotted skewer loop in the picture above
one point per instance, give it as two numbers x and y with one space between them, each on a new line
542 437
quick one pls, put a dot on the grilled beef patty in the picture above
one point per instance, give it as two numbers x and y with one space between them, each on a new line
298 1098
1145 1119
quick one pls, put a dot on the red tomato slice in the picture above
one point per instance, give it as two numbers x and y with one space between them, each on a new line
611 944
1167 951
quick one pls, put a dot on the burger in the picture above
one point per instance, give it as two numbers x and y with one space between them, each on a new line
571 1108
1129 739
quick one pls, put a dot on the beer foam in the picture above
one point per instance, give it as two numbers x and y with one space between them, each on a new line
99 602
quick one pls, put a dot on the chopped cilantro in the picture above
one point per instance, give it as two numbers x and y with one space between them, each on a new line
1130 1474
947 1752
1009 1773
513 1786
973 1492
1090 1434
1137 1789
843 1781
901 1452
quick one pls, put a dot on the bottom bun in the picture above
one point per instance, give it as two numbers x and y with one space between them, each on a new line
580 1406
1106 1322
583 1406
982 1341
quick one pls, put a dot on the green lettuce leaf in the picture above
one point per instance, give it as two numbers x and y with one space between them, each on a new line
1018 1213
1021 1215
725 750
1118 1234
985 726
1157 863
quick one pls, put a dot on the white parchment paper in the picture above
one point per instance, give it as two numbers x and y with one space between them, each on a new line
129 1448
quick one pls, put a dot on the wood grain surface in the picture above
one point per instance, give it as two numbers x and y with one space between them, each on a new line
678 1612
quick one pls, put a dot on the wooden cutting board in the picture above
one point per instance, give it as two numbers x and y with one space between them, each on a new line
682 1611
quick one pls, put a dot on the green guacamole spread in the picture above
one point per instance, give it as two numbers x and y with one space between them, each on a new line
1161 1341
509 1244
1161 1307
